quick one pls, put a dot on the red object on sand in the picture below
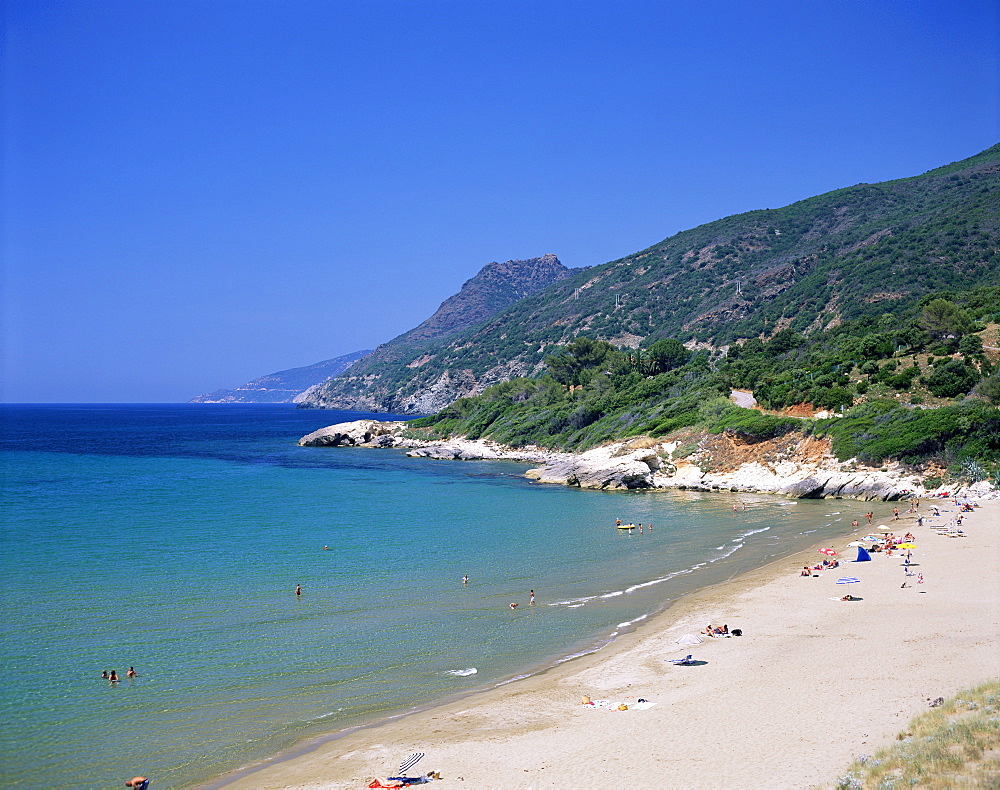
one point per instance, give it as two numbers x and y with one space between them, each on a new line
830 552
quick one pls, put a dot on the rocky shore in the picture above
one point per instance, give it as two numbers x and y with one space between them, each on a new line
793 466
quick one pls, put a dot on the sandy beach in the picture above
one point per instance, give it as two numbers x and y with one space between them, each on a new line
813 682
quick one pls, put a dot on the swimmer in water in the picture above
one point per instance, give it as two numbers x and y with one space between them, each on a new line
298 589
513 606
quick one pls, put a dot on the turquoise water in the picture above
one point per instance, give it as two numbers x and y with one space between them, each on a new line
171 538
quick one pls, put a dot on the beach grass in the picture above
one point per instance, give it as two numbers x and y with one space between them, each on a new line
954 745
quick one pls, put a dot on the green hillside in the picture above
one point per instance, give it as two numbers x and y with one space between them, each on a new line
918 388
870 252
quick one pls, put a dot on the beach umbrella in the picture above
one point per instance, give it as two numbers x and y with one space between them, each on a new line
829 552
689 639
884 528
848 580
907 545
855 543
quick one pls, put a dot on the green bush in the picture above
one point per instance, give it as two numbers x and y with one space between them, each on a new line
952 379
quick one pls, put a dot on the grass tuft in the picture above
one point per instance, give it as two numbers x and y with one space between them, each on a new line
955 745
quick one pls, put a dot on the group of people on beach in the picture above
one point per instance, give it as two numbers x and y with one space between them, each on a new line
113 677
822 566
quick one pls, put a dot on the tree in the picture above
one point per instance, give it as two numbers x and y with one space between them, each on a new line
943 319
784 340
576 363
971 346
668 354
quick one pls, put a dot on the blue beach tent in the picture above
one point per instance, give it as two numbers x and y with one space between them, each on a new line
863 555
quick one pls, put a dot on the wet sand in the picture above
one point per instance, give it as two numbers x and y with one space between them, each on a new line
813 682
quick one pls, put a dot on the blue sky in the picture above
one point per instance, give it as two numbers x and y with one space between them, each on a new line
199 192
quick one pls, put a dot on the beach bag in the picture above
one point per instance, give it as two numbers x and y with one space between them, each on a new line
737 632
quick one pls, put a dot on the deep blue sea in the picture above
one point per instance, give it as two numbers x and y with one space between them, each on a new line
171 538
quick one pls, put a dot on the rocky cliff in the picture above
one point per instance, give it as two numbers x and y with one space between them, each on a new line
793 465
371 385
285 386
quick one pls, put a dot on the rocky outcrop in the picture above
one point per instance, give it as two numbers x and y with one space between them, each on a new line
797 467
360 433
608 468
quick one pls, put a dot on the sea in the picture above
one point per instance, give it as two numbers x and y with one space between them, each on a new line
171 538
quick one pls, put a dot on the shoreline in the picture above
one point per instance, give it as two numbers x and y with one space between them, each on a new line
799 468
538 720
581 650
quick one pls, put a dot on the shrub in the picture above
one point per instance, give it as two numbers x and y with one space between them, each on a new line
952 379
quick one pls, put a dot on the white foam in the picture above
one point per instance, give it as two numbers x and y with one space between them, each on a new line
462 672
753 532
638 619
737 547
614 594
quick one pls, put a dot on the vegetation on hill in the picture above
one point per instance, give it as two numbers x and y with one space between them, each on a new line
867 256
916 388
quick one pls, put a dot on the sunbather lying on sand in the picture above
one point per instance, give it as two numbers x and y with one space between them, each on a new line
405 781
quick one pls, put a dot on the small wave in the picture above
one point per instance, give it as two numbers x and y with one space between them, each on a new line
573 601
666 578
627 623
614 594
325 715
720 548
722 556
753 532
462 672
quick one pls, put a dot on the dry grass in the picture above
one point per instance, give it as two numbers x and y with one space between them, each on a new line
956 745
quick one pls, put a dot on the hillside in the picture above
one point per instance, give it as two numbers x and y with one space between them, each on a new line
497 286
861 252
285 385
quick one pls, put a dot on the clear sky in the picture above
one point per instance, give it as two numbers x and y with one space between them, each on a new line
200 192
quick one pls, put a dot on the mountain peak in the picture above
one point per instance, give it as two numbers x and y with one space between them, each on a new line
495 287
